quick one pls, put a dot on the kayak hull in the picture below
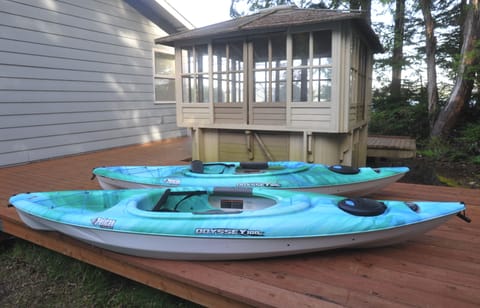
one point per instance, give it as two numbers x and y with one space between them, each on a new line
209 249
199 224
296 176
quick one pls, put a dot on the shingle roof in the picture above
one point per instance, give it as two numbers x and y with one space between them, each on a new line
274 19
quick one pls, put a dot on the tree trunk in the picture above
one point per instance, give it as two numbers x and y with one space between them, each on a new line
462 90
431 48
397 56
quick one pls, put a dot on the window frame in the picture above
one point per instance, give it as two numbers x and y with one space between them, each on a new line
228 73
196 78
167 50
272 72
310 67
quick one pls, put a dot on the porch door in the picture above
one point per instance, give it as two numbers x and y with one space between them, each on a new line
229 85
250 81
267 80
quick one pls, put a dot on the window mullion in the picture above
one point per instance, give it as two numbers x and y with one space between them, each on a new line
227 73
289 72
210 72
310 68
269 72
194 75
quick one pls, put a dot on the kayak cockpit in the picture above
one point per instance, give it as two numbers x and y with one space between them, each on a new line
199 168
221 200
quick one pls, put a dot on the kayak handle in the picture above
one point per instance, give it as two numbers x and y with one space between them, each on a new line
463 216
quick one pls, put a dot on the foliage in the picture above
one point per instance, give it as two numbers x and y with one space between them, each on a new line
404 117
467 140
434 148
448 181
462 146
476 160
34 276
244 7
448 18
473 71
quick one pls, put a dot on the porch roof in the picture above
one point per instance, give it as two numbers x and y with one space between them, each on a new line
276 19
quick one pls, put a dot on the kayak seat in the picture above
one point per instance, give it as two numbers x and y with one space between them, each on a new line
362 206
344 169
161 201
196 166
160 206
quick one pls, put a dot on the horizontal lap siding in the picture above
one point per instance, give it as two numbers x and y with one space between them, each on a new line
76 76
269 114
229 113
353 119
312 117
195 114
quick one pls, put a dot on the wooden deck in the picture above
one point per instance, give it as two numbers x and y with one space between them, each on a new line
438 269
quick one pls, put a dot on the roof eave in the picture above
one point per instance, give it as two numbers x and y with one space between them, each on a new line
252 24
162 14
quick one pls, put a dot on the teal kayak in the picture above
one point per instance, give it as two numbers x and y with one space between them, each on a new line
336 179
227 223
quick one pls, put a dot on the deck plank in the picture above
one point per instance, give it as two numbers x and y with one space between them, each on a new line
439 268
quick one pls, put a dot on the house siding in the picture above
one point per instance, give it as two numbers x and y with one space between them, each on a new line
77 76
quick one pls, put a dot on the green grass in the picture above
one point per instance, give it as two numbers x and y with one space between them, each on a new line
448 181
32 276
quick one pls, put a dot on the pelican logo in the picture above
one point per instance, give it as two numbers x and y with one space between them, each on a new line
106 223
171 181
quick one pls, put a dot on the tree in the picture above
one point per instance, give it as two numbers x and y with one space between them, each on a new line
255 5
469 61
397 53
431 48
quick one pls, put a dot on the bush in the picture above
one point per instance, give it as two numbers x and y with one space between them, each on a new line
402 117
470 137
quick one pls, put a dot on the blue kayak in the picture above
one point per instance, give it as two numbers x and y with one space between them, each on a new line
227 223
336 179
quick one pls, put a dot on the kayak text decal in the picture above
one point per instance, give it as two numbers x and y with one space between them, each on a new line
106 223
228 231
258 185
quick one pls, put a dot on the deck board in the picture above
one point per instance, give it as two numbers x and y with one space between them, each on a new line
440 268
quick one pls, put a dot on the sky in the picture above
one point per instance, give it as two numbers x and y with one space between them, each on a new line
203 13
